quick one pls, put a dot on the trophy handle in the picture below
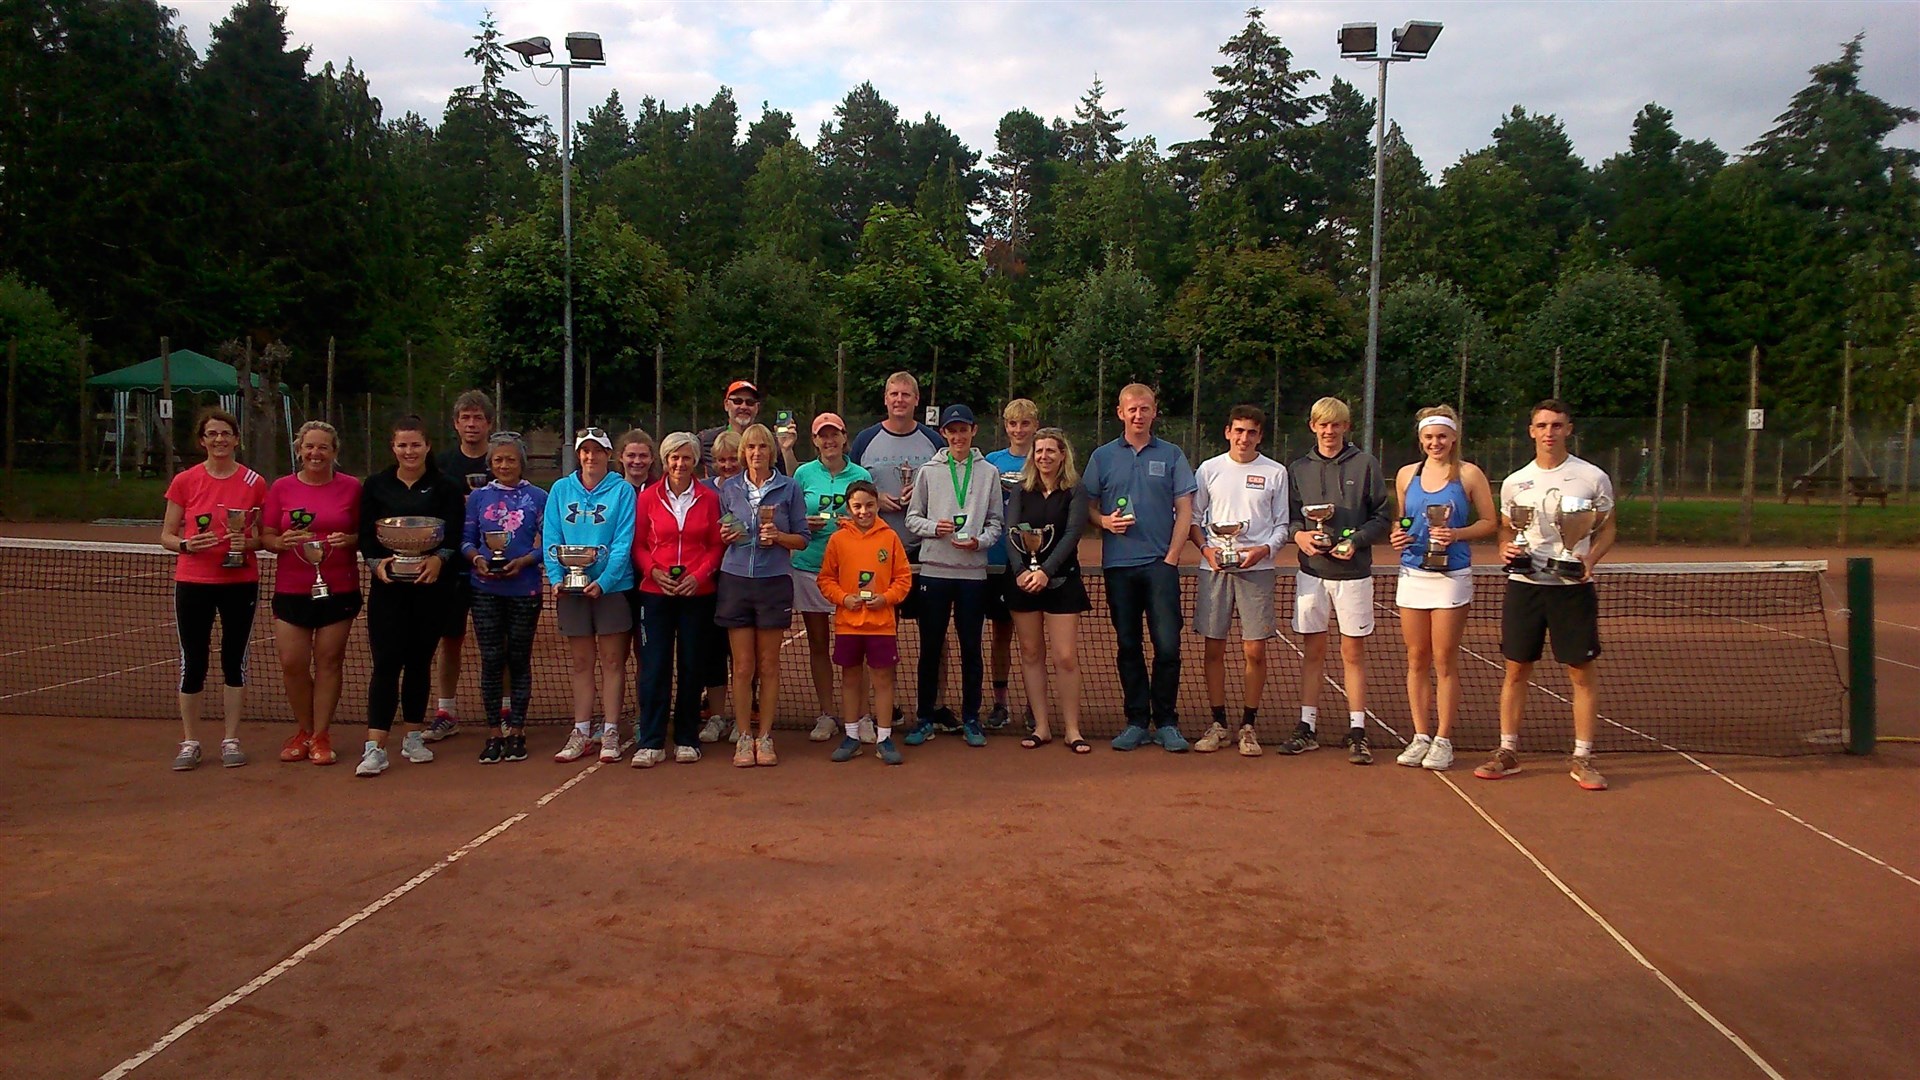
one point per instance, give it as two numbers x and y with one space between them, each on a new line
553 551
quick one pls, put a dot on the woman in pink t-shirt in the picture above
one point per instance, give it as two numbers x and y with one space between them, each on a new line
321 507
205 585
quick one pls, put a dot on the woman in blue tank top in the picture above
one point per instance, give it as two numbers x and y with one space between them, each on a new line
1433 602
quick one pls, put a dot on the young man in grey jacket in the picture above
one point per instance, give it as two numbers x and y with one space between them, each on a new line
1336 568
955 511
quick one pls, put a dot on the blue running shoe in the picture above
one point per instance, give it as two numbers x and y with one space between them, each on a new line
920 732
974 736
889 753
1131 738
847 750
1170 737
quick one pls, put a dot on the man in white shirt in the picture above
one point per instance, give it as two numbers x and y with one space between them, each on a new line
1542 603
1247 488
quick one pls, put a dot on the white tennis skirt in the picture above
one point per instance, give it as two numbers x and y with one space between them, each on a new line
1430 590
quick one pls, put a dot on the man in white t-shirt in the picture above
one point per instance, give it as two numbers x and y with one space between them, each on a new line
1542 603
1247 488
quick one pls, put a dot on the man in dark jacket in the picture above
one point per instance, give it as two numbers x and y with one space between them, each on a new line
1342 486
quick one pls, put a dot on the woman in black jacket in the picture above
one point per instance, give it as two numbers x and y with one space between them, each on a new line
1047 602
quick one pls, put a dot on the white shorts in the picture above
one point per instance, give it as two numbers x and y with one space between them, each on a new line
1431 590
806 592
1316 599
1218 596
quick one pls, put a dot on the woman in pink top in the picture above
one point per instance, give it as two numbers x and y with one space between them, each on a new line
205 585
316 509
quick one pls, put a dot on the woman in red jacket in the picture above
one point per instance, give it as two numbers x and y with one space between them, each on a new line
676 561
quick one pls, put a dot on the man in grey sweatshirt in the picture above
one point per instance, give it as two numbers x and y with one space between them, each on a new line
1336 568
955 511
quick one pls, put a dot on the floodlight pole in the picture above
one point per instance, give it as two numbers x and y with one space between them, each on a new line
1373 273
569 462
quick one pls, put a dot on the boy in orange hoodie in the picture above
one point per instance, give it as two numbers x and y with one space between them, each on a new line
865 575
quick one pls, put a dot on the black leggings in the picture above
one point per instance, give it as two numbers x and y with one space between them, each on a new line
403 631
505 626
194 605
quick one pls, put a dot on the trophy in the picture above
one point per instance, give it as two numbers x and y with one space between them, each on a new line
766 519
960 529
576 558
411 539
906 480
819 518
478 480
1225 531
1438 515
867 595
238 522
314 552
1343 549
730 523
1010 481
495 541
783 423
1575 518
676 572
1033 541
1521 518
1122 509
1319 514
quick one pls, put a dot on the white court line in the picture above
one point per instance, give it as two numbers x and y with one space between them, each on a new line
262 980
174 660
1618 938
86 640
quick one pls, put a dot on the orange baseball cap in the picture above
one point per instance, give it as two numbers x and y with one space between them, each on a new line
742 384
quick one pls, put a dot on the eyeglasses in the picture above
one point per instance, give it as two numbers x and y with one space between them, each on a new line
743 401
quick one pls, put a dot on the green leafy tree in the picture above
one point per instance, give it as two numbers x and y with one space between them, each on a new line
1339 161
1536 147
785 210
774 129
1115 320
1133 206
1094 136
1248 309
48 344
863 152
1024 149
686 190
486 142
1406 211
603 140
1488 237
761 299
1608 324
1424 323
941 205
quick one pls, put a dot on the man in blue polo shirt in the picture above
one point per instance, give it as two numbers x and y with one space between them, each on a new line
1140 491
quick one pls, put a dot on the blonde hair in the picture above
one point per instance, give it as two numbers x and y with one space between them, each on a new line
726 440
1330 410
1453 453
1020 409
906 379
321 426
754 435
1139 390
1069 476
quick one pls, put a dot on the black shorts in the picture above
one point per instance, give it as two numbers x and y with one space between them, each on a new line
1571 613
303 611
998 586
1066 597
459 602
761 603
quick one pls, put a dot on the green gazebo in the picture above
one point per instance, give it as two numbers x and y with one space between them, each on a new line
186 372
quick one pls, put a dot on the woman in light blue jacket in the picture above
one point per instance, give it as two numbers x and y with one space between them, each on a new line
593 509
763 522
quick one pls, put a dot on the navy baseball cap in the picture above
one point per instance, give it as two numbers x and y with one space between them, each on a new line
956 414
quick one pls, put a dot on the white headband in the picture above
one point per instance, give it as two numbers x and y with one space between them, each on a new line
1443 421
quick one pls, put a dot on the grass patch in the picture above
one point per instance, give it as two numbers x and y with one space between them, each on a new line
1717 522
70 496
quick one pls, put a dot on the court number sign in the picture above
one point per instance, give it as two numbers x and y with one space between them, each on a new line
166 409
1756 419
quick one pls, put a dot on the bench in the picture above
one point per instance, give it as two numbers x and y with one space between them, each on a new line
1807 485
1863 488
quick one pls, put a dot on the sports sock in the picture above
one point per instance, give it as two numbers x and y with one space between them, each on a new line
882 734
1356 719
584 727
447 705
853 729
1247 716
1509 742
1220 715
1582 748
1309 716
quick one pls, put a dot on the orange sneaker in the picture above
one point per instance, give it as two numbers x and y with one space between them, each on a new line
321 753
297 746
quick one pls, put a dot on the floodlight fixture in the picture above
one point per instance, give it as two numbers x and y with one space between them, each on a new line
584 48
1359 41
531 49
1415 39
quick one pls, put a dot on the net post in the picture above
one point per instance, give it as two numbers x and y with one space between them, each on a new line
1861 697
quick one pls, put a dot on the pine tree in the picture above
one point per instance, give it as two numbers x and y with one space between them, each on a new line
1094 137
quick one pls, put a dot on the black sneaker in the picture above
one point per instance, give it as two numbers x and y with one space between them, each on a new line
1302 740
945 722
1356 743
516 748
490 753
998 718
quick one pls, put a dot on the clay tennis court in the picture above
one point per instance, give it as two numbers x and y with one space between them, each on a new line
993 912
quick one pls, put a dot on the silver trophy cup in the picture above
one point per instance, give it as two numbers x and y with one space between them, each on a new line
1033 541
1576 518
1319 514
411 539
495 541
1224 532
1438 516
576 559
238 522
314 552
1521 518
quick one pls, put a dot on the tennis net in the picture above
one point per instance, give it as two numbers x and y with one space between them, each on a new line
1711 658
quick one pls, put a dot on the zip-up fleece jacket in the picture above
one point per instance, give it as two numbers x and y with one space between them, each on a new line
659 541
603 516
934 502
877 551
1351 480
747 558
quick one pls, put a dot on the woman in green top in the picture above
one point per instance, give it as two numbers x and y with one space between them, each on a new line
824 483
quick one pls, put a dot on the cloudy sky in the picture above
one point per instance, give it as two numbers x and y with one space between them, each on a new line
1725 69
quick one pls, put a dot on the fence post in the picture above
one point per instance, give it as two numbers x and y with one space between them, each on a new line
1753 447
1193 432
1862 696
368 436
1463 383
1846 435
1659 446
1556 371
84 429
328 404
13 384
1780 469
1009 371
409 347
1100 401
1906 457
840 378
166 393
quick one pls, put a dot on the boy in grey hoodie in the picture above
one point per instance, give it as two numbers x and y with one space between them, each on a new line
956 513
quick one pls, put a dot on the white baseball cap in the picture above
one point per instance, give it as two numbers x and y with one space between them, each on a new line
592 434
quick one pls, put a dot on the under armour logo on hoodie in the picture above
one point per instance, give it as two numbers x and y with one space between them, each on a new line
598 512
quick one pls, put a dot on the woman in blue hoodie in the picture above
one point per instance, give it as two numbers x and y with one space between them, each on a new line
506 602
763 521
593 508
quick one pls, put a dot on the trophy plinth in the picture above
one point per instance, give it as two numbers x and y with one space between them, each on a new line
411 539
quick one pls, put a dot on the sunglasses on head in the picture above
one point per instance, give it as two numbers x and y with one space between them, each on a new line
504 437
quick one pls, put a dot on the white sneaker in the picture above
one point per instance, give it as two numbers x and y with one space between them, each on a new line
643 758
189 756
867 733
1416 752
414 748
715 729
610 743
1440 757
373 761
576 748
1214 739
686 755
824 727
